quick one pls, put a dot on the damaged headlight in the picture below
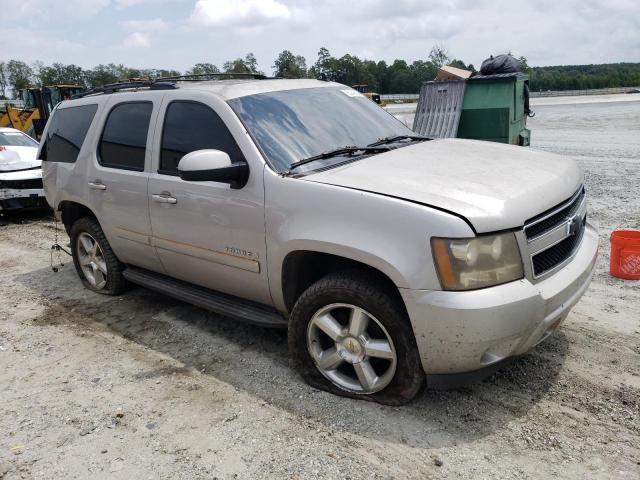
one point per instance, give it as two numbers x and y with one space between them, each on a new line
471 263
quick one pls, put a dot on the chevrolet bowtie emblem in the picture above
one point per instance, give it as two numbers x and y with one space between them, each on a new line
573 226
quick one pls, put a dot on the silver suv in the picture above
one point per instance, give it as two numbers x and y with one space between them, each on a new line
301 204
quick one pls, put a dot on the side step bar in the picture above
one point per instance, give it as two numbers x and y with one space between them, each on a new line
226 305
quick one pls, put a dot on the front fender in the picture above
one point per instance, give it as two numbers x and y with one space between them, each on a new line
389 234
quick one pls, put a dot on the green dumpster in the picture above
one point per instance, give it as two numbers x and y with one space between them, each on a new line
485 107
495 109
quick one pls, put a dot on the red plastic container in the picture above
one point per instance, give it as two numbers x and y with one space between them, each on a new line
625 254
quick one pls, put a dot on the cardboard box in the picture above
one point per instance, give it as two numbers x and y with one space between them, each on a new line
452 73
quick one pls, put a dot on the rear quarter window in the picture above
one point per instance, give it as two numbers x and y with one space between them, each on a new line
66 133
124 139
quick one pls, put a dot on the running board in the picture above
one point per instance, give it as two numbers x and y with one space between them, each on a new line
217 302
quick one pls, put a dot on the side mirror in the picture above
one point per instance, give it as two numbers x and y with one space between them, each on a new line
213 166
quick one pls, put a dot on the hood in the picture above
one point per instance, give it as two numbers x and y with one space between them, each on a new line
18 158
494 186
28 174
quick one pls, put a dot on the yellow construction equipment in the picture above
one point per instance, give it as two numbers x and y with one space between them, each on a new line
374 97
38 103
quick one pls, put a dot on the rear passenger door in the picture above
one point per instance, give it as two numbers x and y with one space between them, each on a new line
207 233
118 175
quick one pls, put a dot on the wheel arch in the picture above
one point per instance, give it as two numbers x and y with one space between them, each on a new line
302 268
71 211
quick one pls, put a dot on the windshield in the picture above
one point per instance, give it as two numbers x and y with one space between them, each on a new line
293 125
29 99
16 139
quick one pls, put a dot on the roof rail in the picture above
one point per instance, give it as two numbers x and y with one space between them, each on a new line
166 83
128 85
202 77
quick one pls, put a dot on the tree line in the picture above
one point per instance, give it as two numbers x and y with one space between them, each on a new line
582 77
397 77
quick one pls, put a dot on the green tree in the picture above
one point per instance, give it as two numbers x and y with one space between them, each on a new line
101 75
399 77
322 64
312 73
252 63
524 66
371 72
458 64
382 77
19 75
439 55
423 71
566 77
236 66
350 70
249 64
128 73
162 73
4 80
60 74
203 68
288 65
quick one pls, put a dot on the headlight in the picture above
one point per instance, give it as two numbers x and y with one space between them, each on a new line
470 263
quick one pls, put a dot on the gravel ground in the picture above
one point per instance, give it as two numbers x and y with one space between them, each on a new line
140 386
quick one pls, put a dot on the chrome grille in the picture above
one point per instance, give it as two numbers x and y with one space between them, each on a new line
548 259
552 218
553 237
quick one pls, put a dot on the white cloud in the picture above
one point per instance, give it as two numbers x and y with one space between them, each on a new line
28 47
547 32
150 25
133 3
248 13
142 31
137 39
46 9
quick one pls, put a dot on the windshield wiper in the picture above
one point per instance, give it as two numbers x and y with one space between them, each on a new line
348 151
387 140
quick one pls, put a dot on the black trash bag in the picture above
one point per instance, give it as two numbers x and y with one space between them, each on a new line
500 64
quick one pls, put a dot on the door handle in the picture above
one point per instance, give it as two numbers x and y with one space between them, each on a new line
164 198
97 185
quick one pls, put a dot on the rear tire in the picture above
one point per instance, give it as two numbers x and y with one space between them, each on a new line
350 337
97 266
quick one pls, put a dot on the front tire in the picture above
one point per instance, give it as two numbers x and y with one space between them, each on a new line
349 336
97 266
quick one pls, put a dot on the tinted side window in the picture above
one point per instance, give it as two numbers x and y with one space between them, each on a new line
190 126
124 139
69 127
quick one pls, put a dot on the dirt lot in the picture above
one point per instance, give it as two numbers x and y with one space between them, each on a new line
141 386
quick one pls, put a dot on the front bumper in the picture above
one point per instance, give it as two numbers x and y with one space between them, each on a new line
464 331
16 199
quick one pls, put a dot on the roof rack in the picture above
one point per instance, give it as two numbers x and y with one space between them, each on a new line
166 83
128 85
202 77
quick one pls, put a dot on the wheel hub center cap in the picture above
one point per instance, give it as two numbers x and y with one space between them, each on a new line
350 349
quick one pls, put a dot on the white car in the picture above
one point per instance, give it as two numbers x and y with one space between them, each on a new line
20 172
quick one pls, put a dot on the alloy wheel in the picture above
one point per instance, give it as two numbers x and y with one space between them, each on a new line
351 348
92 261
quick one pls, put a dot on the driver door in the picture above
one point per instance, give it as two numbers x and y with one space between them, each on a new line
207 233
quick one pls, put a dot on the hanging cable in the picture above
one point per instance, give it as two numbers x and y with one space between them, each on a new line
56 248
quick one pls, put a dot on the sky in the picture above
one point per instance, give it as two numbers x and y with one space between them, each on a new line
176 34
